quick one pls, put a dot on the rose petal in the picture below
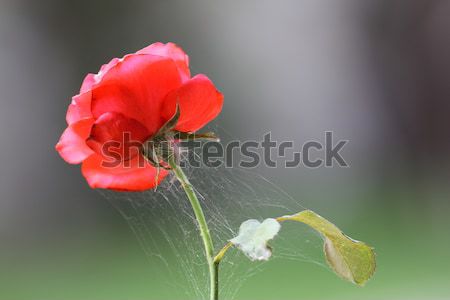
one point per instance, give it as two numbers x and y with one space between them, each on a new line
199 103
128 176
106 67
92 79
80 108
169 50
172 51
72 145
123 135
136 87
88 82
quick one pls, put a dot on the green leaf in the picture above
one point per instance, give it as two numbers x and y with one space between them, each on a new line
350 259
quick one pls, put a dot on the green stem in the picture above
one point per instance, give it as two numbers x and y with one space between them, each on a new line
203 226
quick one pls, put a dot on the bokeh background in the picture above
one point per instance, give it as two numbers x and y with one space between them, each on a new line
374 72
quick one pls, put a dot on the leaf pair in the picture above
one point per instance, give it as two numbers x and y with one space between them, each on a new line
350 259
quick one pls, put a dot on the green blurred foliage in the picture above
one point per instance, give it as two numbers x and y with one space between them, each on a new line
411 260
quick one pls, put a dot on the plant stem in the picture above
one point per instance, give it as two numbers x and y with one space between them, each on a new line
219 256
203 227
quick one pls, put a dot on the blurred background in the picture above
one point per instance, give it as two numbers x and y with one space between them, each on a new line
376 73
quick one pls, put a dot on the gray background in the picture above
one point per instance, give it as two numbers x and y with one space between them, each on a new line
374 72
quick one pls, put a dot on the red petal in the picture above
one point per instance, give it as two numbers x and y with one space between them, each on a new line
122 177
80 108
117 133
105 68
199 103
72 145
136 87
172 51
88 82
92 79
169 50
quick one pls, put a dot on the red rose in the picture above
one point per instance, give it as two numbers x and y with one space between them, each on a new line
136 95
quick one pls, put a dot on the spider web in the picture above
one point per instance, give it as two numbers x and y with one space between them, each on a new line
166 227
